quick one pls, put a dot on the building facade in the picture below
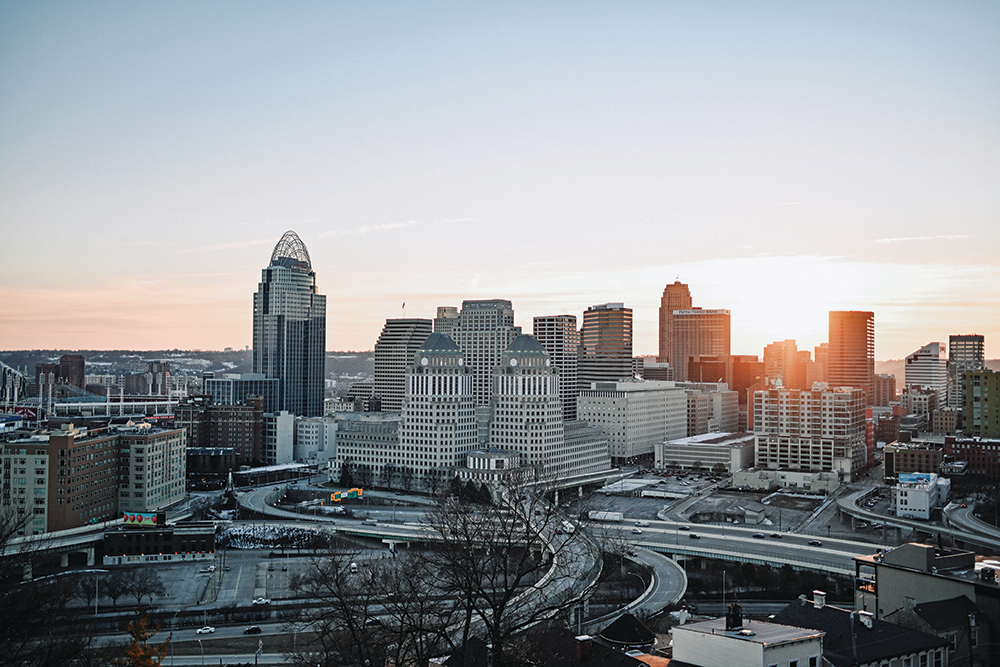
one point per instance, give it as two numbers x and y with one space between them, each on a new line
982 403
235 388
153 465
698 332
605 353
483 331
884 390
289 328
965 353
561 339
852 350
635 416
676 296
927 368
399 341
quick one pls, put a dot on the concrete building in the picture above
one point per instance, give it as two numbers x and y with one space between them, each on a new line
725 452
369 449
399 341
722 642
916 494
635 416
698 332
852 350
447 318
920 401
315 440
819 430
884 390
711 407
483 331
927 368
235 388
279 437
916 574
676 296
945 421
153 465
965 353
289 328
605 353
982 403
766 480
561 339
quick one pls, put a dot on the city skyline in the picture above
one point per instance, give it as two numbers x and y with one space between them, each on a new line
559 157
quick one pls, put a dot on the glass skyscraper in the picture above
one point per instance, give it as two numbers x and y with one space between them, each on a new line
289 328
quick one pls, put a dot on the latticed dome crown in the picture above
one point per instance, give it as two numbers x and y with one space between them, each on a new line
290 250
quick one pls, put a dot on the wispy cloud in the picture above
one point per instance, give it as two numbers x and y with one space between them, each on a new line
230 246
368 229
946 237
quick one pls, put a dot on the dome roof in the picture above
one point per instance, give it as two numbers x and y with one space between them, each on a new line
290 251
526 344
439 343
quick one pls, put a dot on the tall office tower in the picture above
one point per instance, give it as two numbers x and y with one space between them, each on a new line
605 353
560 338
158 378
527 412
884 389
72 369
483 331
398 342
781 363
821 430
676 296
818 369
928 368
965 353
289 328
236 388
852 350
439 414
447 317
698 332
982 404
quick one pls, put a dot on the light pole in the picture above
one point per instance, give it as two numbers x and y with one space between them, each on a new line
202 652
172 620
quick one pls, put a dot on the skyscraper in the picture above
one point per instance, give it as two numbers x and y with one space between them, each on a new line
698 332
927 368
289 328
605 344
965 353
676 296
852 350
561 339
394 351
483 331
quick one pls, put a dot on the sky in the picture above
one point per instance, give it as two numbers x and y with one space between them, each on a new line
784 159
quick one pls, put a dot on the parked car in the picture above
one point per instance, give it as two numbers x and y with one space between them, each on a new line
815 543
208 629
253 630
284 568
259 601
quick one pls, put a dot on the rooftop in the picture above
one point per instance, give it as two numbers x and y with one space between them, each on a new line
759 632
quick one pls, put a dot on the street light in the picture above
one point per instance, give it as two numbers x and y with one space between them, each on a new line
202 652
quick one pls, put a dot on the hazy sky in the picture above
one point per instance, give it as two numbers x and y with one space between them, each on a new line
783 159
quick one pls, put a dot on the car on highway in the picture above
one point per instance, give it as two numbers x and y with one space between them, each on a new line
694 536
260 601
253 630
683 527
207 630
815 543
776 536
759 536
284 568
637 531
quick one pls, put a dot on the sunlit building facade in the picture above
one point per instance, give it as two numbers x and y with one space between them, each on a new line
605 344
852 350
699 332
676 296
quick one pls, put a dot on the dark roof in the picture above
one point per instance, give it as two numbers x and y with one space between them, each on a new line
628 630
439 342
559 647
948 614
848 641
525 344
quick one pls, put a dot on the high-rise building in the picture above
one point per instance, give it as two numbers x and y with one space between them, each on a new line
927 368
447 317
822 430
784 361
527 412
561 339
72 369
852 350
965 353
158 378
236 388
399 341
605 344
818 369
676 296
982 403
484 330
884 390
289 328
697 332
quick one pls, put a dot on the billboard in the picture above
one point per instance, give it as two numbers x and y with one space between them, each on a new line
337 496
139 518
914 478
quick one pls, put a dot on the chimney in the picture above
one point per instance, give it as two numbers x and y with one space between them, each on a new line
802 600
909 604
819 599
583 647
866 618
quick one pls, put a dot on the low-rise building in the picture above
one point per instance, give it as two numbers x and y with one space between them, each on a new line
726 642
916 494
725 452
762 479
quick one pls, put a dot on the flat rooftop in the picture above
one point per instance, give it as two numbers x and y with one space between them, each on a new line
768 634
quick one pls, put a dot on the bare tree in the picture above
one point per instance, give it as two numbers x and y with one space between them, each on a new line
115 586
143 582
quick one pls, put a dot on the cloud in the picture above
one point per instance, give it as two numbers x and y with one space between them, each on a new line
230 246
947 237
366 229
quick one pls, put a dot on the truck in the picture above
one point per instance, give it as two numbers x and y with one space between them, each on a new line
606 516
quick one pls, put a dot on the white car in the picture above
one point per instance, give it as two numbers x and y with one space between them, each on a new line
208 629
637 531
262 601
